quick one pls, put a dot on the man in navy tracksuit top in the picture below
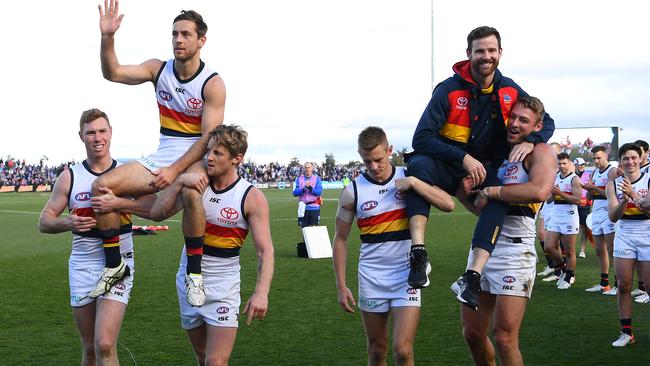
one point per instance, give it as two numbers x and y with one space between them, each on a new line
462 134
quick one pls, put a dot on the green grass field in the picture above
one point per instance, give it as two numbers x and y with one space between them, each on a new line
304 325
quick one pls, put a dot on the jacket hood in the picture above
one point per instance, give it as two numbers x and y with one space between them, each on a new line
463 70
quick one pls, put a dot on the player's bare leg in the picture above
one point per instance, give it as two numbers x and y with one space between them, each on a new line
194 232
405 324
131 179
110 315
376 327
84 319
476 324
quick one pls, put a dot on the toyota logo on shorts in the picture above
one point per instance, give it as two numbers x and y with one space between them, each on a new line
400 195
462 102
194 103
222 310
229 213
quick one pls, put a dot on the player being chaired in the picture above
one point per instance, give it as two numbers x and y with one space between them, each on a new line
233 207
191 100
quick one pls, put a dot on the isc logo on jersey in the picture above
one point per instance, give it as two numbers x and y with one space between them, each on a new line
83 196
369 205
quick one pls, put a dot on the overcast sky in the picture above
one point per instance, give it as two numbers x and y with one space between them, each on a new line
304 77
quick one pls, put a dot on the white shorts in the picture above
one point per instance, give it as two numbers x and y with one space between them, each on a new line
511 268
84 279
600 223
169 150
221 308
564 220
379 295
632 240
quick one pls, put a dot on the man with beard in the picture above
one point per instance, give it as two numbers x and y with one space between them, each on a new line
191 99
463 128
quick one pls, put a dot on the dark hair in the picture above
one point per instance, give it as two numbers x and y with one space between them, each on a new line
194 17
371 137
534 104
91 115
232 137
482 32
598 148
642 144
562 156
627 147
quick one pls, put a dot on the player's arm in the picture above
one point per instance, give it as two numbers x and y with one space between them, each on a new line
109 23
108 202
615 208
541 179
432 194
50 221
257 211
318 188
168 202
213 110
344 219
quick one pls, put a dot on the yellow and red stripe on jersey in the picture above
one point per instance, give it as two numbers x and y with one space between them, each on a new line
125 221
224 237
387 226
179 121
632 212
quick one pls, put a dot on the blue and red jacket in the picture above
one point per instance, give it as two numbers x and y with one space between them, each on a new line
461 118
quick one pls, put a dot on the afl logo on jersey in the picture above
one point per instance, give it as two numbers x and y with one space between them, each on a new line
512 170
83 196
229 213
165 96
369 205
194 103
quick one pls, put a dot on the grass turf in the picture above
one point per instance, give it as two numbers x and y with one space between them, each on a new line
304 325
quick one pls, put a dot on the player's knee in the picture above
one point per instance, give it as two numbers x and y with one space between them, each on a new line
624 286
191 197
505 340
216 360
402 352
104 348
473 335
377 349
421 166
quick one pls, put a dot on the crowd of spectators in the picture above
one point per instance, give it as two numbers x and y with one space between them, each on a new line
276 172
16 172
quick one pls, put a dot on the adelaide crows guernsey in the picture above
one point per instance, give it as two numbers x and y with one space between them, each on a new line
520 219
87 247
383 224
226 226
180 102
600 180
